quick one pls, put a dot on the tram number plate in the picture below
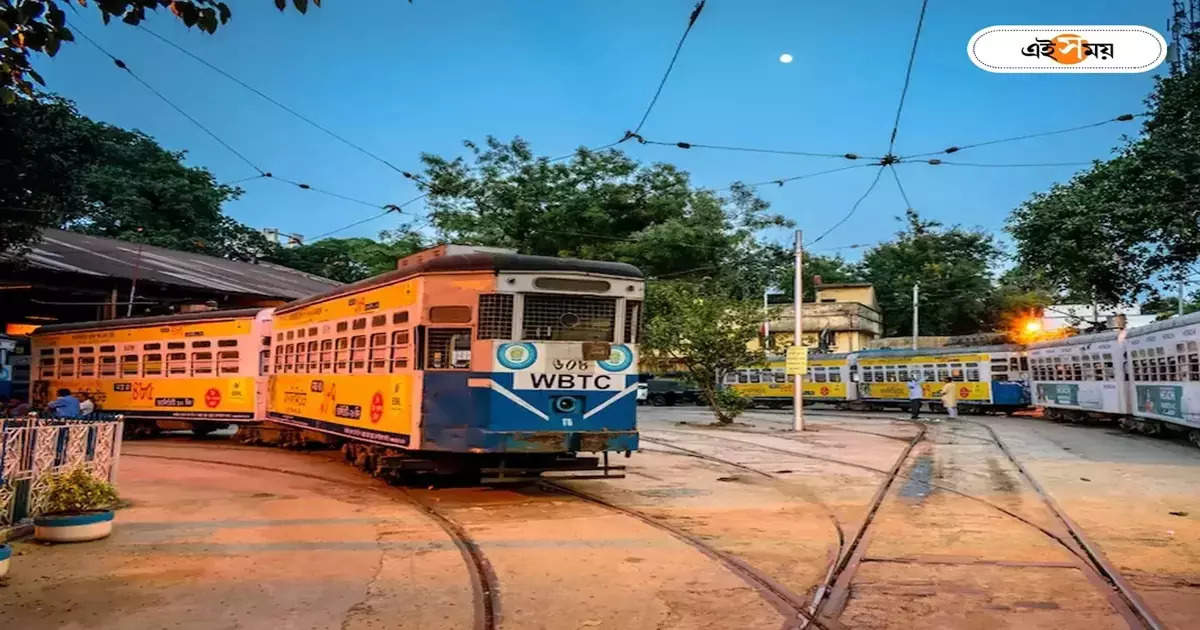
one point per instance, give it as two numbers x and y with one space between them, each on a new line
571 366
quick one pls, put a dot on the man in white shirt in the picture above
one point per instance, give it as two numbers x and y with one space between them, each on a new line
86 406
914 396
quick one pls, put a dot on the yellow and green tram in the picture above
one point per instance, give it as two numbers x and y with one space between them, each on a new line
987 377
827 380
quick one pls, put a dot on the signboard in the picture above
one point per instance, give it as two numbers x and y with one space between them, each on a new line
797 360
1058 393
1163 400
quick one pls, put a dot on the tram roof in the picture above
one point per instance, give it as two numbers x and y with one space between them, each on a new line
1077 340
1166 324
933 352
478 261
138 322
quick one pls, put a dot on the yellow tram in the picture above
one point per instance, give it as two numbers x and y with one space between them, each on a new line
826 380
198 371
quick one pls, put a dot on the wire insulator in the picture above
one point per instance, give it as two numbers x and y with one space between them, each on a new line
951 149
935 161
120 64
683 145
267 174
305 186
1125 117
851 156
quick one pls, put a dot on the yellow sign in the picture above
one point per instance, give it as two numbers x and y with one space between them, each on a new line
797 360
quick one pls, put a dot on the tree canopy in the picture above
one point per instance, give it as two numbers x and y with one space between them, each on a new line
350 259
40 26
61 169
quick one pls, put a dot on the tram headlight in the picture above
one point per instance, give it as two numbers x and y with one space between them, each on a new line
566 404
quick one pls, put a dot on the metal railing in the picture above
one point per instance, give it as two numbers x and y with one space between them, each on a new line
32 449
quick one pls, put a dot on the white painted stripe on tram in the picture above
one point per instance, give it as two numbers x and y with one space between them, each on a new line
500 389
601 406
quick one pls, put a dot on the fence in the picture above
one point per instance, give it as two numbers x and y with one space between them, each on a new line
33 449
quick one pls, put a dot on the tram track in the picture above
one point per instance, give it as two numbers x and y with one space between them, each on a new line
1088 559
484 582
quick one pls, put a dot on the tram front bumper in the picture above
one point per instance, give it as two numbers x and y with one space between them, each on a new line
558 441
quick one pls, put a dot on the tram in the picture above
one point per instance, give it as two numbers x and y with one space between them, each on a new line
1163 361
198 371
990 378
501 363
1081 377
827 380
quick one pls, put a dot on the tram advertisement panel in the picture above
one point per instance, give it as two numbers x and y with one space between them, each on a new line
376 406
966 390
1162 400
1058 393
165 397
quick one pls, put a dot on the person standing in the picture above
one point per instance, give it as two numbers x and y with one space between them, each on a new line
65 406
86 405
914 396
949 394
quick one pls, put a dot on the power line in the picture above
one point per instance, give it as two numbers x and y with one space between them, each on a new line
693 145
955 149
275 102
781 182
121 64
903 195
304 186
1017 165
691 22
853 209
912 56
243 180
387 209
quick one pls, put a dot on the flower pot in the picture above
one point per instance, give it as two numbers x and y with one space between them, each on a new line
77 527
5 554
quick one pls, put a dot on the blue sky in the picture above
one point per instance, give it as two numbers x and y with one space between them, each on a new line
401 79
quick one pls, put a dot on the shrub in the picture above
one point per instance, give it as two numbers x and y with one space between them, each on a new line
77 490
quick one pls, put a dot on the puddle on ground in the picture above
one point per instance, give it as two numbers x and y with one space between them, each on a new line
917 487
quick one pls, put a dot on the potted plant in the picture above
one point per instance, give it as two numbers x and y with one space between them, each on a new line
78 508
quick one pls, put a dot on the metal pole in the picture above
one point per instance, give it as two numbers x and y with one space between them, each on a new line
916 312
133 286
766 319
1179 309
797 388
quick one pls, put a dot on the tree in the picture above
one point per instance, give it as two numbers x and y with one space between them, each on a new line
697 326
830 269
951 264
350 259
40 26
61 169
1116 230
600 205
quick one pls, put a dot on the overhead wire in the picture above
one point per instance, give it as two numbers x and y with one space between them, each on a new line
122 65
387 210
853 209
903 195
989 165
912 56
957 148
694 145
273 101
670 66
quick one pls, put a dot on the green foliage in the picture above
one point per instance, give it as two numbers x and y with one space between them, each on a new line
39 26
951 264
60 169
831 270
351 259
1117 228
698 326
77 490
600 205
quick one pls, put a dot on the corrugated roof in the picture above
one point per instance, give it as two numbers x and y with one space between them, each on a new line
137 322
71 252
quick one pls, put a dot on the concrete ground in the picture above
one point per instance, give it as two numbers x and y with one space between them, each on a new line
283 539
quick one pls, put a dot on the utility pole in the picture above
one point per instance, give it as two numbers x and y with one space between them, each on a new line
798 288
766 318
916 312
1179 307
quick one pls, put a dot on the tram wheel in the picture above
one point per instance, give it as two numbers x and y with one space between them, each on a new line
201 429
1194 437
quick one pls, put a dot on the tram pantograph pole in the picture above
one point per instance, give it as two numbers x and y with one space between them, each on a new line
798 340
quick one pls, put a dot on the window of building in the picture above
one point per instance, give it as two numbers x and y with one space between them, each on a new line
202 363
228 362
495 316
299 333
176 363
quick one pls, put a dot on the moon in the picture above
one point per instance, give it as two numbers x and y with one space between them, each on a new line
785 58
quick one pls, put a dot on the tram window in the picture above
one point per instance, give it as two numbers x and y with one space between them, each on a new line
343 326
47 352
1110 373
731 378
228 362
495 316
152 346
1191 346
450 314
154 364
779 376
1193 367
202 363
279 337
87 366
108 365
341 355
569 318
312 331
956 372
943 372
227 343
299 333
358 353
1171 371
973 372
289 357
129 365
819 375
66 367
743 376
835 375
46 366
359 323
1087 368
171 345
399 317
755 376
201 344
327 355
867 376
902 375
108 348
176 363
448 349
633 323
378 320
290 335
278 359
312 356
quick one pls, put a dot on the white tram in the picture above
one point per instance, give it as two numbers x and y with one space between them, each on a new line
1164 369
1080 377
